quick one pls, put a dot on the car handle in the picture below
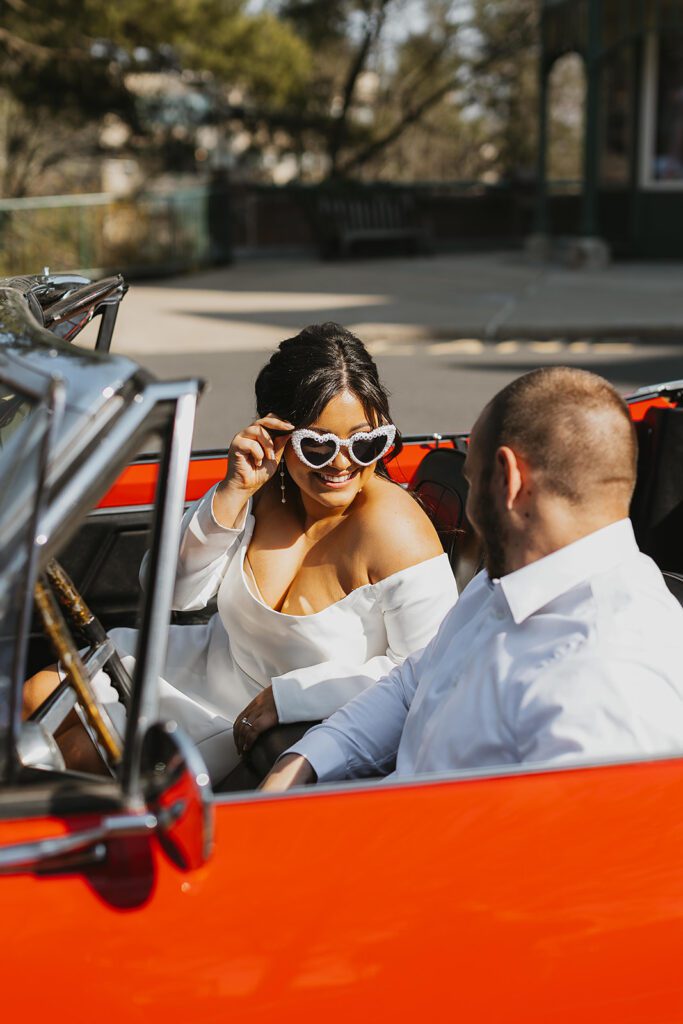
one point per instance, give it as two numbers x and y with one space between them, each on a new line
47 853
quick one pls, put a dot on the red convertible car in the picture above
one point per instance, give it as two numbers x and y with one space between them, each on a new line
520 894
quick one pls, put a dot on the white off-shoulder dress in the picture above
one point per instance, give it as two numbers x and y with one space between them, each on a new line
315 663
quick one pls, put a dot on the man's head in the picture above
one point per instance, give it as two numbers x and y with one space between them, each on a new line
552 458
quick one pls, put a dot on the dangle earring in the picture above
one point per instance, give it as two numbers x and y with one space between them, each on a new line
282 480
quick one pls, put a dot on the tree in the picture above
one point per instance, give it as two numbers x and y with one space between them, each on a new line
367 92
65 64
456 85
503 80
366 89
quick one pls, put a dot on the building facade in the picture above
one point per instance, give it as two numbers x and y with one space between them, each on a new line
631 194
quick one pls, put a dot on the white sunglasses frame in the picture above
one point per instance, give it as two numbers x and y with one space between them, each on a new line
388 430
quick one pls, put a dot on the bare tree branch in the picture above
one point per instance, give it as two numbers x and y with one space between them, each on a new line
394 133
372 33
16 44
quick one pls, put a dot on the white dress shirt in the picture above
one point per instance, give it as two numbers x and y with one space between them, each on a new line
577 656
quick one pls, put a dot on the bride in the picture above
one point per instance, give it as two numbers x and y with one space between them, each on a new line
327 574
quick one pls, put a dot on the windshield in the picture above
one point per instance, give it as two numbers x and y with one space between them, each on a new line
14 409
23 427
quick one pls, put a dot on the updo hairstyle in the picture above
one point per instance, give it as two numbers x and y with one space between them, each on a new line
307 371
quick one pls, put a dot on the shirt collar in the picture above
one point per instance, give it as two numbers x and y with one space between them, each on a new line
535 585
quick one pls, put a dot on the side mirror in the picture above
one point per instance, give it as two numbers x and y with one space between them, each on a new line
177 790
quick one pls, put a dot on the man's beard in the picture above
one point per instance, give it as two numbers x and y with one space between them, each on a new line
492 533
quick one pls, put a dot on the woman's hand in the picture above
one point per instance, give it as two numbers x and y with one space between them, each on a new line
253 457
254 454
258 716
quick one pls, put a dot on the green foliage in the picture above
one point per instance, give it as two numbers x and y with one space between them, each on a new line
260 53
505 79
352 87
70 60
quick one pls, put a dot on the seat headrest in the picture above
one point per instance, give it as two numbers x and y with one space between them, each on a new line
674 582
442 489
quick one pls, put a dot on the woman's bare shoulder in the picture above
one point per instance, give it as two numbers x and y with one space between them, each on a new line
395 532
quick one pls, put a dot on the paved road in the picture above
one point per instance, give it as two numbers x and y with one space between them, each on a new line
438 387
447 332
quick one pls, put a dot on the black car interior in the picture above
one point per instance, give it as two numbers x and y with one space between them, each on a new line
657 507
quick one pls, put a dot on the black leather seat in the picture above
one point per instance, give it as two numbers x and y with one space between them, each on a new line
657 506
674 582
255 765
442 489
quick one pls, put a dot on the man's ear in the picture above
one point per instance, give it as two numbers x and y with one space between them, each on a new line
509 472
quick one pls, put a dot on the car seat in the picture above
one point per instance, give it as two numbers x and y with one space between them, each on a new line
442 489
674 582
657 506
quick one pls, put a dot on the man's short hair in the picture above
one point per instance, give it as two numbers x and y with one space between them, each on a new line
571 427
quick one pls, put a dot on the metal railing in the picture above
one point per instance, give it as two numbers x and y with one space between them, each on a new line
152 232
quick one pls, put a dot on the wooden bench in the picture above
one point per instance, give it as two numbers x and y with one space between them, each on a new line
346 220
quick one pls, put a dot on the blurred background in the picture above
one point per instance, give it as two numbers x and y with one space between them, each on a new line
475 186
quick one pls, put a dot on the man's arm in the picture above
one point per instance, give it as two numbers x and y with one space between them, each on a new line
289 770
363 737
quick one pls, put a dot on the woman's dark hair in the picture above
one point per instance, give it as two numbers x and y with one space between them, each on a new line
307 371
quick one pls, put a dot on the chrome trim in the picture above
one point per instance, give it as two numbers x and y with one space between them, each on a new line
119 509
655 389
151 652
484 774
55 401
105 757
97 658
41 852
56 708
37 748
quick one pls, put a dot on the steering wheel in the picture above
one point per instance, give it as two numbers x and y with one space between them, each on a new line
58 600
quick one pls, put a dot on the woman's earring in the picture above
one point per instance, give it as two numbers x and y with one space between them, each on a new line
282 480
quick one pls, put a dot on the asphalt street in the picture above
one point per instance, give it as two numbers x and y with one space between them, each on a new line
447 331
435 387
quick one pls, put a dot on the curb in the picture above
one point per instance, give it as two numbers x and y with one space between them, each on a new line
613 333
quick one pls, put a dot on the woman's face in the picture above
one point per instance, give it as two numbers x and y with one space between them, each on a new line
338 483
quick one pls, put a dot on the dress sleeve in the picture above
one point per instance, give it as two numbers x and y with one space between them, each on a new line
413 603
206 550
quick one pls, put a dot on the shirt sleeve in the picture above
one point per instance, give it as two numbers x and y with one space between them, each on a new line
362 738
206 550
413 604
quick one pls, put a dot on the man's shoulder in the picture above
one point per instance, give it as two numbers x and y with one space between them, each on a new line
633 601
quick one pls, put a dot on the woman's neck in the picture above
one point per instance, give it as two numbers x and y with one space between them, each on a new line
317 514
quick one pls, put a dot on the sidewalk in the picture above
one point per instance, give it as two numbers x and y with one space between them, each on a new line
252 305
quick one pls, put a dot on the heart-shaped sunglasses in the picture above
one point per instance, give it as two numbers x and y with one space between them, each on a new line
319 450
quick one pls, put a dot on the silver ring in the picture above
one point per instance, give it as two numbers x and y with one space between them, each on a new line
245 721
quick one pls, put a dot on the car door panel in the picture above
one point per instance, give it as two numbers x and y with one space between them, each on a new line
549 896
